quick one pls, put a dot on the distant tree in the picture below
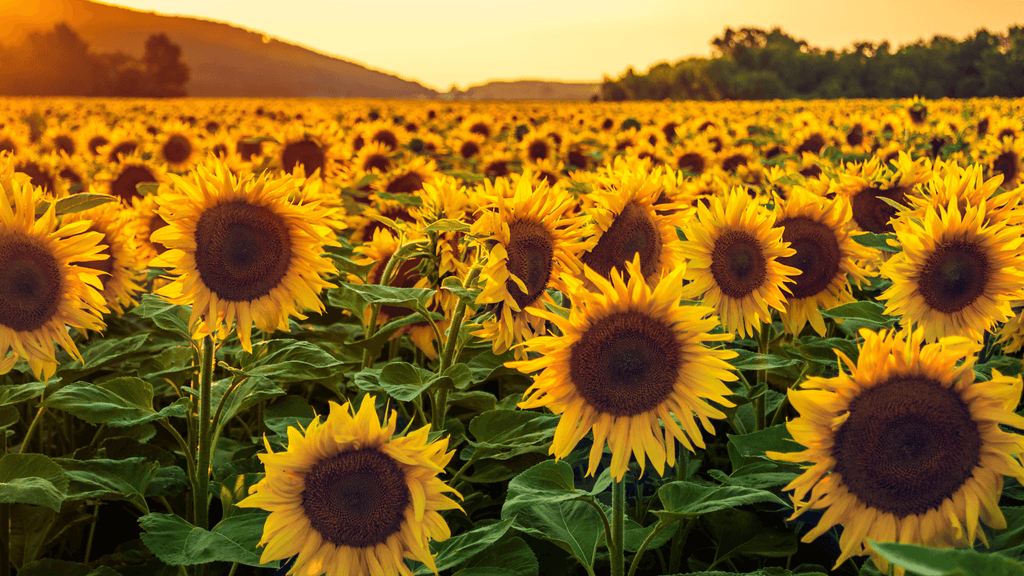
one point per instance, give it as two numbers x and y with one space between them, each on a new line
58 62
166 74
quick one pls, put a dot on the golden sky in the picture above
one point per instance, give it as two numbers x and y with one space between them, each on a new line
466 42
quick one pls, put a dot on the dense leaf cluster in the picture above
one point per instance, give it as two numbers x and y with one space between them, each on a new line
754 64
58 62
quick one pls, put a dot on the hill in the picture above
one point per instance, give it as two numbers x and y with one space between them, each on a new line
224 60
528 90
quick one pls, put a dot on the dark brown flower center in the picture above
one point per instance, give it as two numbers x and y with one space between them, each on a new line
817 254
954 276
377 161
872 213
177 149
813 144
733 162
121 150
908 445
37 175
496 169
124 186
249 149
481 129
855 137
406 183
386 138
305 152
242 251
357 498
738 264
95 143
626 363
30 284
631 232
530 254
1007 164
64 143
469 149
691 162
538 150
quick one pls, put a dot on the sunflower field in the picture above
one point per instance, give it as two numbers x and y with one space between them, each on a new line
369 337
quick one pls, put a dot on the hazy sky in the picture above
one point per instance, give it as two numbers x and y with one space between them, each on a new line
441 42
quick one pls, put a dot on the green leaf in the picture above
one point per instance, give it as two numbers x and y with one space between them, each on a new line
288 411
742 532
76 203
574 526
403 199
545 483
49 567
687 499
876 241
124 401
252 391
747 360
18 393
454 285
822 350
258 140
178 543
110 479
287 360
461 548
502 434
863 314
105 350
508 557
165 315
925 561
759 475
447 226
32 479
411 298
147 188
744 447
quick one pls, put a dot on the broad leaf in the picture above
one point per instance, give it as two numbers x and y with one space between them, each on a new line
178 543
110 479
925 561
32 479
124 401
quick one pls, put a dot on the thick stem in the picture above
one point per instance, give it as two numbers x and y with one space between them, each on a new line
201 485
762 377
615 548
92 532
440 406
385 279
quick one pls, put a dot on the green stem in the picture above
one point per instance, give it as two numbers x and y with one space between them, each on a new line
92 532
643 547
385 279
5 539
458 475
201 486
440 406
676 559
31 429
762 377
615 548
785 400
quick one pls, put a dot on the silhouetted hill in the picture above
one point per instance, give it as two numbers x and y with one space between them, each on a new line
529 90
224 60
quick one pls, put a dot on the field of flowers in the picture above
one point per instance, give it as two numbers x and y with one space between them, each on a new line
391 337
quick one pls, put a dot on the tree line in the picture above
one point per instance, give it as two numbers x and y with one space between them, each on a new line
58 62
754 64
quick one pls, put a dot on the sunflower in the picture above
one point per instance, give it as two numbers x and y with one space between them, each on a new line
240 249
42 290
122 265
627 223
906 447
348 498
141 220
733 250
531 244
629 356
178 147
1005 156
819 230
956 275
867 186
